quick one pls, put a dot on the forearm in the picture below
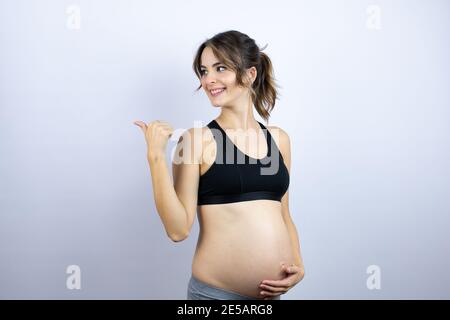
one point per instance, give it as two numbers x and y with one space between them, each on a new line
295 243
170 209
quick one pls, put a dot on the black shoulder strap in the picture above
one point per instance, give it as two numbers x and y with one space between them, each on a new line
221 140
269 139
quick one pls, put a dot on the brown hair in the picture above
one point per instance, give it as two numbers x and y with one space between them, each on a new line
239 52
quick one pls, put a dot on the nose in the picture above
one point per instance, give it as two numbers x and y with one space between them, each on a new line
209 79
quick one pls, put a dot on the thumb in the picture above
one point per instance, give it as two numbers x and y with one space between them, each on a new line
290 269
142 125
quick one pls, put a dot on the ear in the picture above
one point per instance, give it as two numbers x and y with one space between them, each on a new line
251 74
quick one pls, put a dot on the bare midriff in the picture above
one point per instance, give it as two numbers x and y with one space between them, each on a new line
240 245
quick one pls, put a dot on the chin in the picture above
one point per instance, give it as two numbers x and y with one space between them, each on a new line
216 104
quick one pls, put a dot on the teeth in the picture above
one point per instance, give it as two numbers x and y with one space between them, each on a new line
217 91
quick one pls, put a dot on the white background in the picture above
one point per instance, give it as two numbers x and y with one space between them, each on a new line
364 99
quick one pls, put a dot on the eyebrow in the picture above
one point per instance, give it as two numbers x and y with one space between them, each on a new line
215 64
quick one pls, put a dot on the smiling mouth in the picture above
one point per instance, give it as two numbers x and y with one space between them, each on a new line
217 92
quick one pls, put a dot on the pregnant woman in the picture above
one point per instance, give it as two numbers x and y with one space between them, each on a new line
234 173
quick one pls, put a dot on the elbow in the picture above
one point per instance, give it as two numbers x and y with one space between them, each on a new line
178 237
302 274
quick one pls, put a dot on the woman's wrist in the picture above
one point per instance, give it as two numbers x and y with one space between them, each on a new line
155 156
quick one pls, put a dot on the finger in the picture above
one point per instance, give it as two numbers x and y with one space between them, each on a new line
276 283
269 294
161 125
166 126
168 130
272 288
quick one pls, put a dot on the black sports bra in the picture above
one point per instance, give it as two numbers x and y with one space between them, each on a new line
237 177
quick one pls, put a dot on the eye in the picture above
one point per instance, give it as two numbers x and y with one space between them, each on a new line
202 72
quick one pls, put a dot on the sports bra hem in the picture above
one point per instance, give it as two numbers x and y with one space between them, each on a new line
247 196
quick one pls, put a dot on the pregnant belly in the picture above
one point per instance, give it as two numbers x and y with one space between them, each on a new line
240 254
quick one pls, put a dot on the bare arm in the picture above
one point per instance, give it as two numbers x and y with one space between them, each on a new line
170 209
177 202
174 207
285 149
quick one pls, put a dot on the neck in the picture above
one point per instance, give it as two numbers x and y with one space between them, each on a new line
238 115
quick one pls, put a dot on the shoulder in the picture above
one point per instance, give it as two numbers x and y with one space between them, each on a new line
281 137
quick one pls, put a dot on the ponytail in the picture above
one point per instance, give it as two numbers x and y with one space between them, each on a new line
263 90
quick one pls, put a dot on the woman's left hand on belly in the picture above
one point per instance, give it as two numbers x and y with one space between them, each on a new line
273 288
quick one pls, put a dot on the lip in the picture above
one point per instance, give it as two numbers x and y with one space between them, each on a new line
217 94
